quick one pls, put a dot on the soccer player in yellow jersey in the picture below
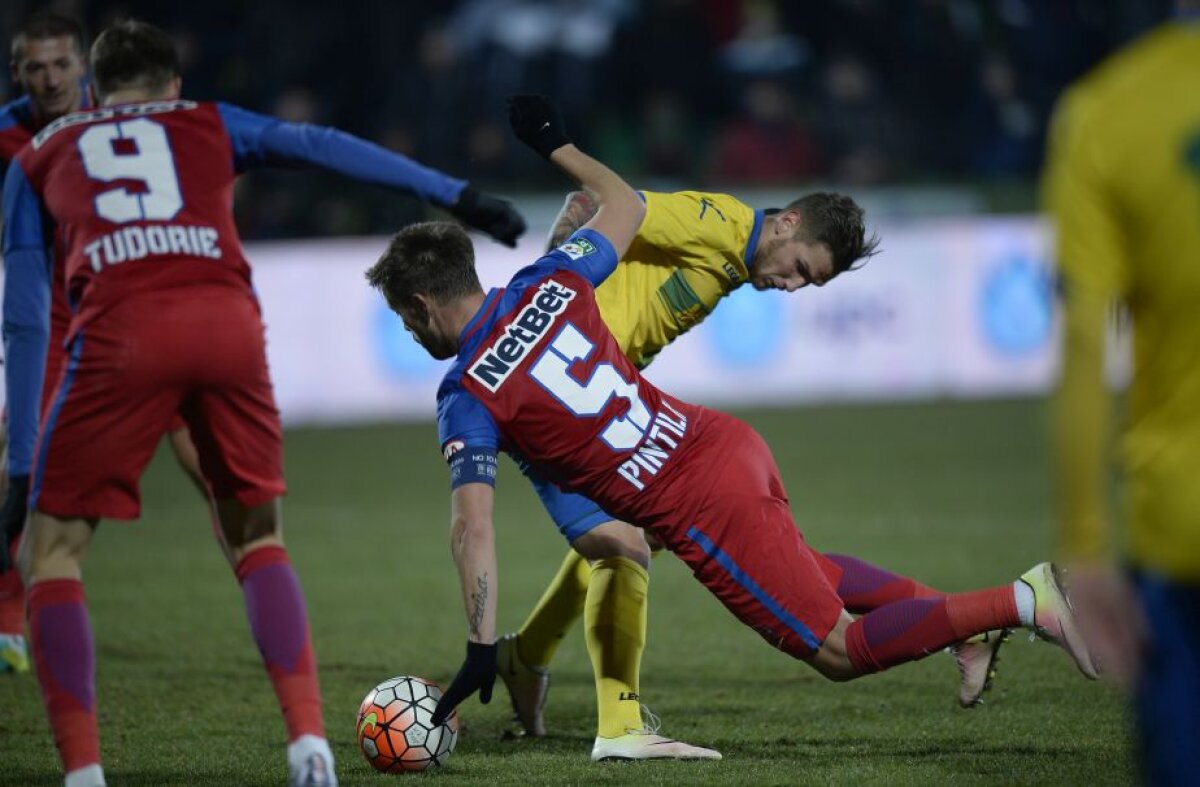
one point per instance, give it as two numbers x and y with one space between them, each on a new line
1123 187
692 250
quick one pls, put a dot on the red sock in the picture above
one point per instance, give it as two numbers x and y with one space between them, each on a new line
63 652
976 612
864 587
910 630
279 623
12 596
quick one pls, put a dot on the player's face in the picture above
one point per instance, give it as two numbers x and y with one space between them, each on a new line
50 71
420 323
788 264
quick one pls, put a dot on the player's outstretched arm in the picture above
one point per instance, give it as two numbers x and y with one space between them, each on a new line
473 543
536 122
260 139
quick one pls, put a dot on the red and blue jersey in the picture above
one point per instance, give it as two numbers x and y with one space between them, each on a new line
140 197
539 375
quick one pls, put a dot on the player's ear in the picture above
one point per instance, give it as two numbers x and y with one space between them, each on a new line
420 308
788 222
175 89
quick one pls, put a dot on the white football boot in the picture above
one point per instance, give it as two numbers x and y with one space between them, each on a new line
310 763
1054 616
647 744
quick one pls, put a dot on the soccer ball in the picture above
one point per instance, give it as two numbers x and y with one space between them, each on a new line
395 731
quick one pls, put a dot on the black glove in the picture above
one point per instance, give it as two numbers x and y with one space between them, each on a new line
536 122
12 516
477 673
494 216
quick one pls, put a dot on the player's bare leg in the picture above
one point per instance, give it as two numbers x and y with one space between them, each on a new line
52 555
188 458
279 623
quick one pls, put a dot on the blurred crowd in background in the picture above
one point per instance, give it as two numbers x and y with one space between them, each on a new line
672 93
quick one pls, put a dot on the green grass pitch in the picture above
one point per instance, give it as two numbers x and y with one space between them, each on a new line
954 494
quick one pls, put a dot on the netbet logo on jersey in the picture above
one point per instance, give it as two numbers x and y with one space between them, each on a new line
498 361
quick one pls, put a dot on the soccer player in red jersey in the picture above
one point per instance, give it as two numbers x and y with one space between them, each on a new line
48 63
538 374
164 321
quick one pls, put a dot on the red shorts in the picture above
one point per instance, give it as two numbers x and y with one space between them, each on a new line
199 353
740 540
56 362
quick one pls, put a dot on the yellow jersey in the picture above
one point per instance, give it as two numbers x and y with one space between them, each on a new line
691 251
1123 185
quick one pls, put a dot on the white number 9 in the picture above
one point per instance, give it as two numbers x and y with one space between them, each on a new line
152 163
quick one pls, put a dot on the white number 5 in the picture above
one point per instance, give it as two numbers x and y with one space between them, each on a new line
150 161
622 433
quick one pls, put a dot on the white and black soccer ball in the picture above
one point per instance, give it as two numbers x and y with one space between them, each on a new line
395 730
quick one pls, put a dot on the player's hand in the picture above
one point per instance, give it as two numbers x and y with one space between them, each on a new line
536 122
492 215
478 673
12 517
1111 619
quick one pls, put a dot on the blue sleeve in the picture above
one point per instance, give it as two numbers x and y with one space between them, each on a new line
26 315
262 140
469 438
587 252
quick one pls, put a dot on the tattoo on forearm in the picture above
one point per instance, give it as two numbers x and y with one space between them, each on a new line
562 230
478 604
578 212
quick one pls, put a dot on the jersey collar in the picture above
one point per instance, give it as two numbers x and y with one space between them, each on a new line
752 241
485 309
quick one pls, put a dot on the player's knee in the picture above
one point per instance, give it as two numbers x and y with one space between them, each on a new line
54 548
614 539
832 660
833 665
837 670
236 553
247 527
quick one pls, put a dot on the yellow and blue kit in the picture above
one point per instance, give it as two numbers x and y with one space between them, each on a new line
1123 185
1124 188
691 251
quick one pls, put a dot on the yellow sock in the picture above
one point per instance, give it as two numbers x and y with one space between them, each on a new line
614 625
555 613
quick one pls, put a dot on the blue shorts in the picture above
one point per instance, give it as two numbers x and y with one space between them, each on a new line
1168 697
573 514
